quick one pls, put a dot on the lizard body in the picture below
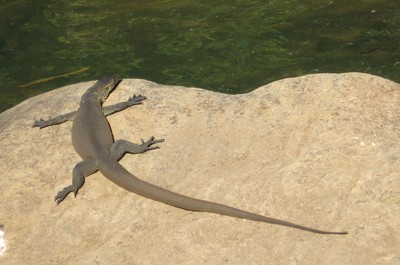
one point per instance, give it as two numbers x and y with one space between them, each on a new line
93 140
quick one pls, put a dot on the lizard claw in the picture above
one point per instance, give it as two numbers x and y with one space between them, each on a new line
135 100
61 195
41 123
148 144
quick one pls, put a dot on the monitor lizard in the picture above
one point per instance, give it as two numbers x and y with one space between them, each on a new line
93 140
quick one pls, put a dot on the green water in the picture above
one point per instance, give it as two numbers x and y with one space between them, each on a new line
228 46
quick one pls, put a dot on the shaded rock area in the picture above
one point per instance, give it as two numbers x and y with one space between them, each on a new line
319 150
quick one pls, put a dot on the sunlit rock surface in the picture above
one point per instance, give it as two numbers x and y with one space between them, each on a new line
319 150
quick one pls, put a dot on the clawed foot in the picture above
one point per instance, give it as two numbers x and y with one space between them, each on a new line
135 100
61 195
42 123
148 144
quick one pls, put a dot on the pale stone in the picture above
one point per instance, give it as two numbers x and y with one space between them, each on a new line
319 150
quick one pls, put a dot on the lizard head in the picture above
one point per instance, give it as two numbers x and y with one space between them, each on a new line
103 88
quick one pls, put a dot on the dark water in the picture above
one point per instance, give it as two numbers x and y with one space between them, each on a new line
228 46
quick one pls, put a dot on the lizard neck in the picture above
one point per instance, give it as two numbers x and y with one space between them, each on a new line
90 98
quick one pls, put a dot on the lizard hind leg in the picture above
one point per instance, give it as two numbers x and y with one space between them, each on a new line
121 147
80 171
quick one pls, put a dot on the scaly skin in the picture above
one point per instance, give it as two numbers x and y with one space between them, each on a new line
93 141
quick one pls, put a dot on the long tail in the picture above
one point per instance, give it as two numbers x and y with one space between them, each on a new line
112 170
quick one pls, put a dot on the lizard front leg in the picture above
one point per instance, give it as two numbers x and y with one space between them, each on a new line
134 100
79 173
54 121
108 110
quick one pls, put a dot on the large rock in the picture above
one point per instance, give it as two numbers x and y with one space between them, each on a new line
320 150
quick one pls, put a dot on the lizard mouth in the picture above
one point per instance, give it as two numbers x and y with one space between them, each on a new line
105 86
113 85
